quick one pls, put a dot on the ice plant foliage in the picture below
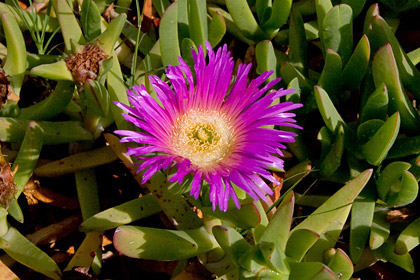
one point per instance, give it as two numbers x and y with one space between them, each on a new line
210 127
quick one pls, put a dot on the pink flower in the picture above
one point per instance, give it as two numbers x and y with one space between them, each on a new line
210 127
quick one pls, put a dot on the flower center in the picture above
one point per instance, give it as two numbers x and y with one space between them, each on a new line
205 138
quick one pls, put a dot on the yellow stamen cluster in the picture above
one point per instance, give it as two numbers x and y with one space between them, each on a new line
205 138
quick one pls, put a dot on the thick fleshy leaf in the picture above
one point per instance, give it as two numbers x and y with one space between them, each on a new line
69 25
168 30
86 252
276 259
197 22
409 74
25 19
386 253
329 113
15 64
380 229
4 226
376 105
370 14
54 71
117 92
13 130
97 98
409 238
122 214
337 31
299 242
232 243
106 41
361 221
77 162
25 252
288 72
266 59
356 6
331 72
53 105
389 177
298 45
385 71
366 130
247 216
296 173
277 230
28 156
310 271
376 149
332 212
217 29
322 8
244 19
280 11
162 244
230 24
332 160
405 147
355 69
90 19
339 263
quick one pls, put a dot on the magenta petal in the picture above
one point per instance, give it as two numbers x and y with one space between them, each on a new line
209 124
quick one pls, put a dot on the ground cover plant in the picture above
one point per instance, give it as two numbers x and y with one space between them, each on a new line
219 139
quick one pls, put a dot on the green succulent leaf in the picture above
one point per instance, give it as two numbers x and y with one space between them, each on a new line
162 244
332 160
25 252
244 19
385 71
386 253
310 271
356 6
355 69
340 263
361 221
52 105
15 64
247 216
69 25
333 213
232 243
13 130
288 72
405 147
298 46
106 41
337 31
197 19
122 214
409 238
376 106
217 29
168 30
376 149
331 72
280 11
230 24
55 71
276 259
277 230
266 59
380 229
299 242
90 19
